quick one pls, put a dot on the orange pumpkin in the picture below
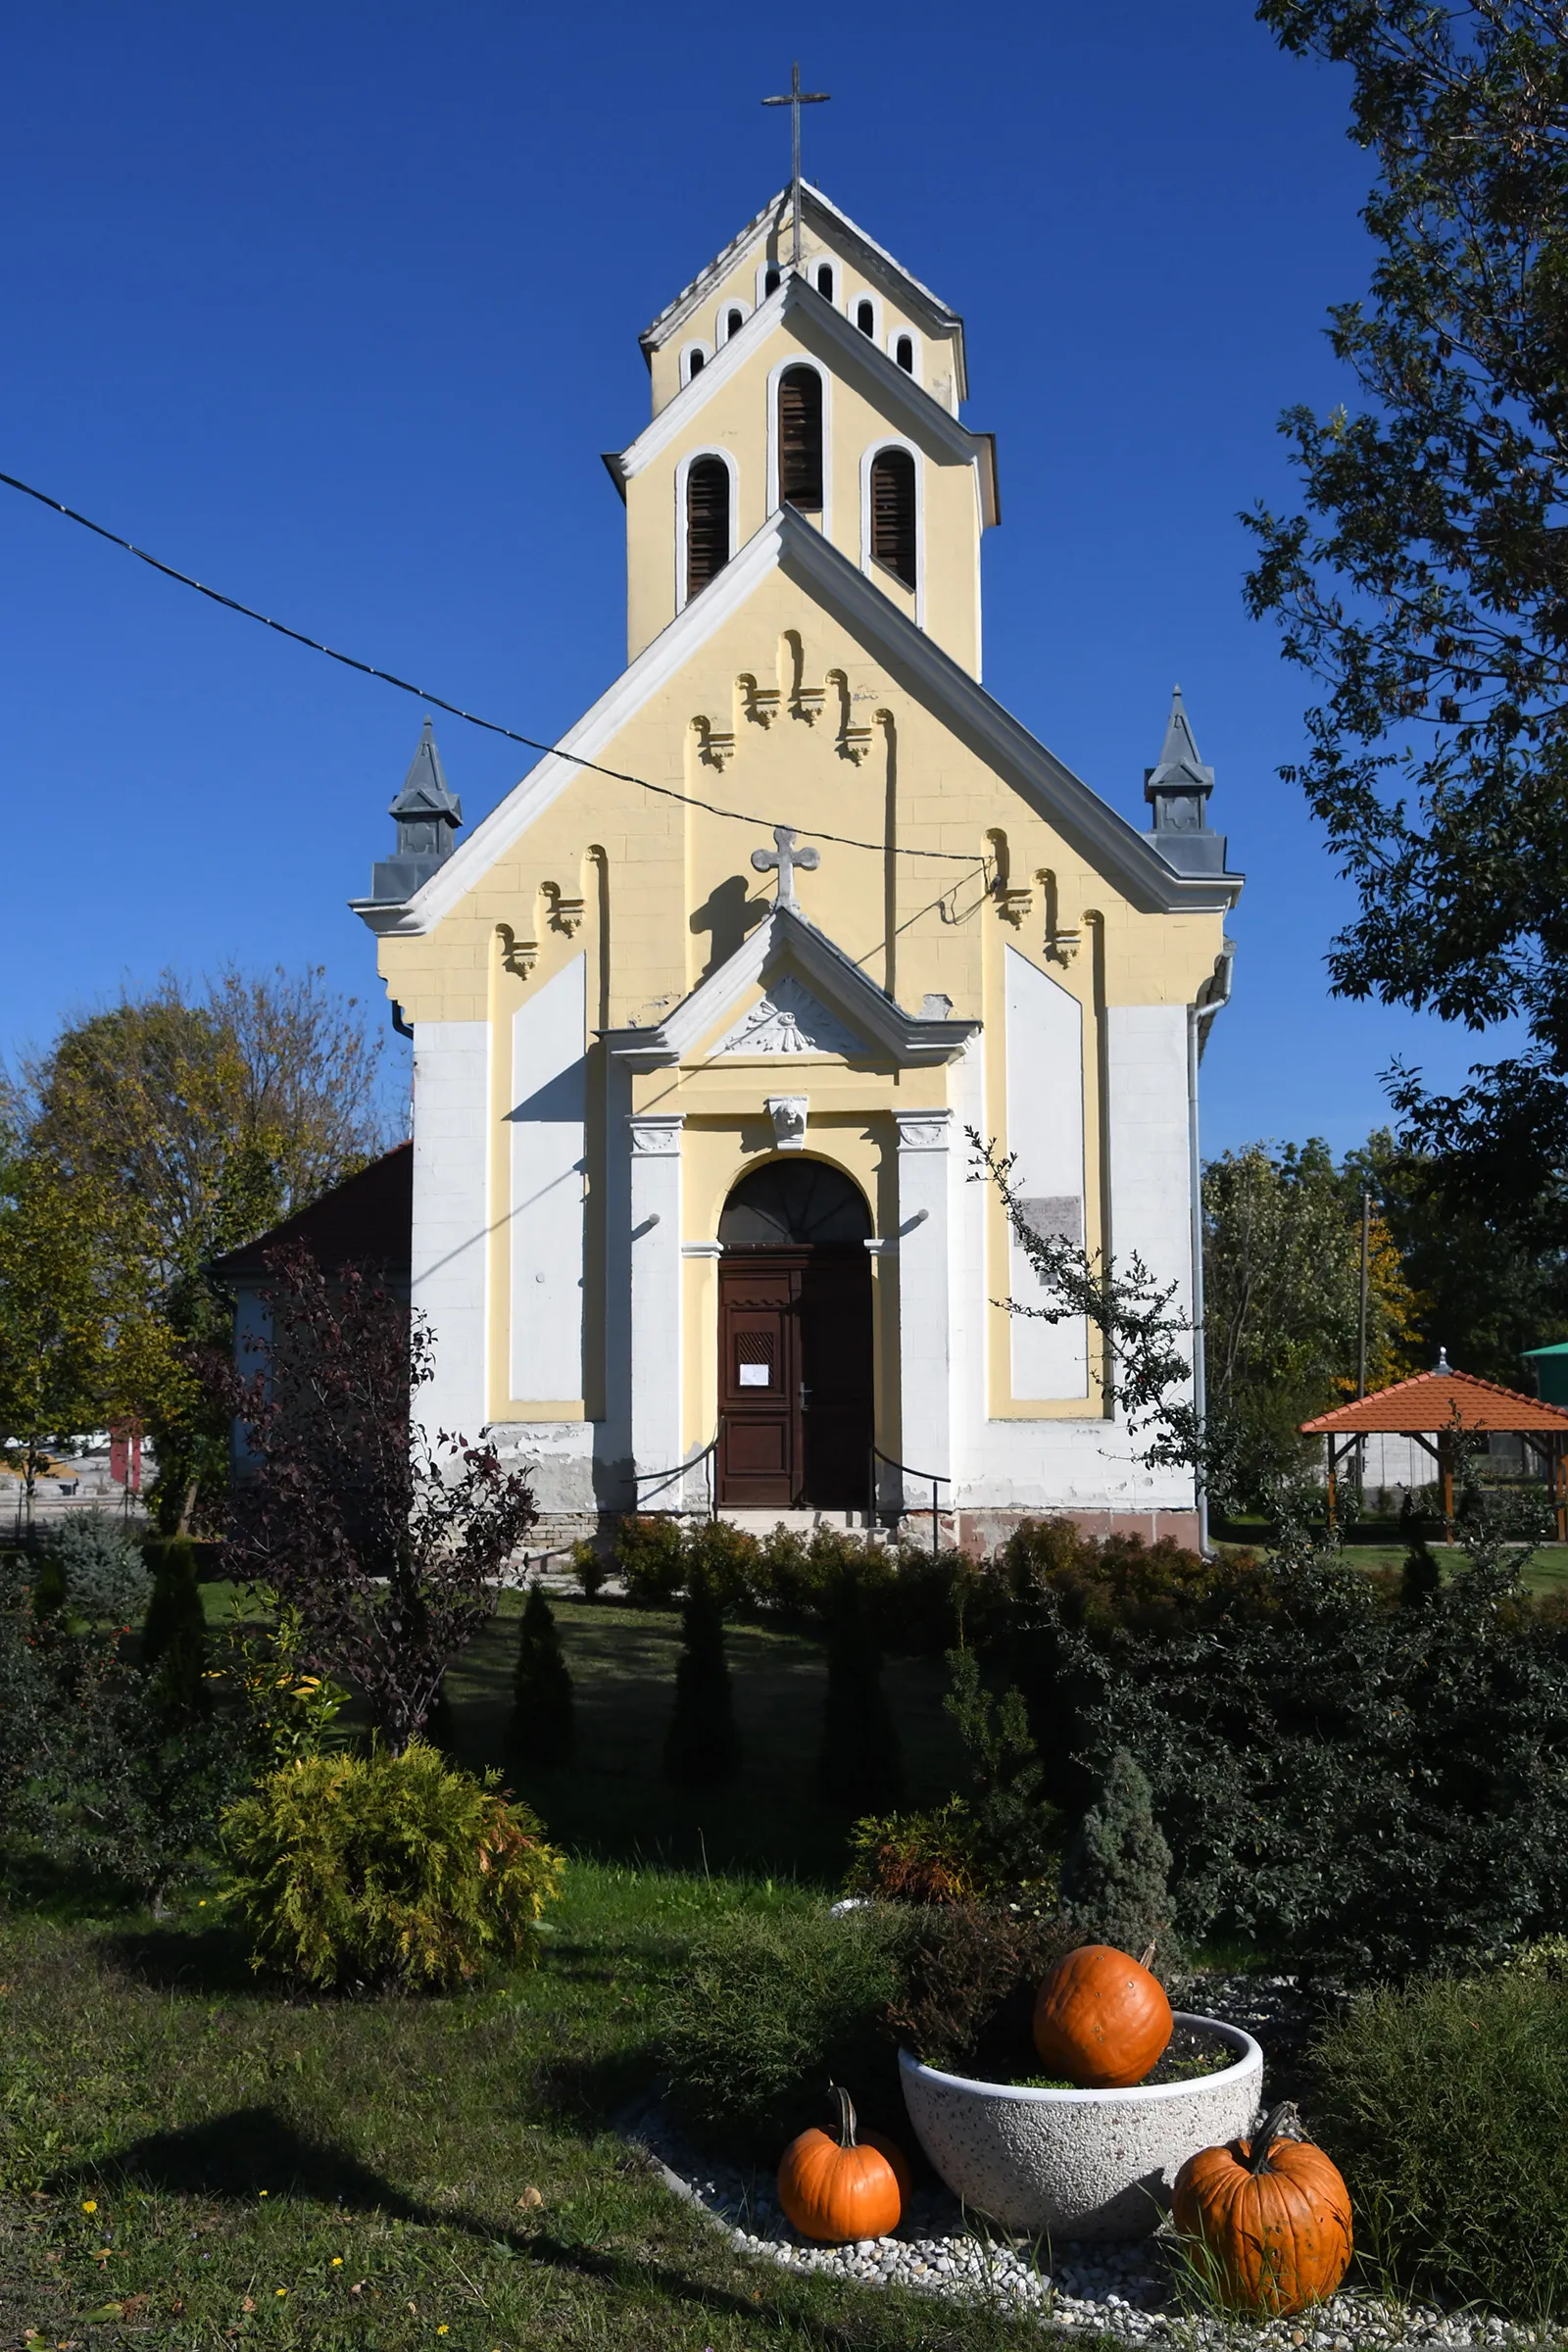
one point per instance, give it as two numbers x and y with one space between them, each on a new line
1102 2019
836 2188
1273 2217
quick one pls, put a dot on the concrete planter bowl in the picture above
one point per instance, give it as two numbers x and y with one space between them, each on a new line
1079 2163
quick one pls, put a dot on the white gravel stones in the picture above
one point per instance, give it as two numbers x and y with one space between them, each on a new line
1127 2292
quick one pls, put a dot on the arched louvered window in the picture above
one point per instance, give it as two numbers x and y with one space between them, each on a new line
904 353
770 282
707 522
824 281
893 511
800 438
865 317
733 323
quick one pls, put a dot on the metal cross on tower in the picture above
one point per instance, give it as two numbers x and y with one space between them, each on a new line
795 98
786 857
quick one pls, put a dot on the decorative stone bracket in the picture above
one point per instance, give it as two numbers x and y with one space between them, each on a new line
788 1115
519 955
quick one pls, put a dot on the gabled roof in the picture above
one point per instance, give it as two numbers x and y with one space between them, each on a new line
896 394
367 1220
787 941
788 544
1440 1400
848 237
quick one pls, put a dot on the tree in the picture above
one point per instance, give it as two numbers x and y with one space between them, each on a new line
543 1729
1282 1253
1115 1873
859 1767
388 1543
183 1126
701 1748
75 1338
1426 583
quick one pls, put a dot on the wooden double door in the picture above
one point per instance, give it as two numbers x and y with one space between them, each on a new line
795 1392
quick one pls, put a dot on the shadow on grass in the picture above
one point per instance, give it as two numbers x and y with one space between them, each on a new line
181 1959
235 2157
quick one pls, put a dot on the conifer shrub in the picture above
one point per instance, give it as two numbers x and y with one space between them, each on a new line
701 1748
173 1639
767 2011
650 1559
101 1569
1115 1872
381 1872
1439 2101
542 1732
859 1767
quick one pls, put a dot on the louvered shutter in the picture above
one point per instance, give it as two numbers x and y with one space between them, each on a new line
800 438
893 511
707 523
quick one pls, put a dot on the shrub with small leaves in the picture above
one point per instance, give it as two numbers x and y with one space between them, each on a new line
385 1870
971 1975
916 1857
652 1560
591 1569
174 1637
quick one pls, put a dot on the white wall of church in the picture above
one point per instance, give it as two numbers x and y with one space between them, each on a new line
449 1265
1150 1143
1045 1132
549 1107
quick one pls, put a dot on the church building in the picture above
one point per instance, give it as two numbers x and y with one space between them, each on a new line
706 1012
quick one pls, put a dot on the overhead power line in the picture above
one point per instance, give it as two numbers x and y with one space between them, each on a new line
423 694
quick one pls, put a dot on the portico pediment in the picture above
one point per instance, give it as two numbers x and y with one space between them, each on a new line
814 1001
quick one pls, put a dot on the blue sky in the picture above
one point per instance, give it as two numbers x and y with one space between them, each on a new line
336 307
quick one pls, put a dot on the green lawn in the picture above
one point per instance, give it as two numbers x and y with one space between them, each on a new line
615 1802
438 2173
191 2158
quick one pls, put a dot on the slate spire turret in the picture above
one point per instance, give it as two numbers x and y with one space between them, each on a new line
1178 790
427 815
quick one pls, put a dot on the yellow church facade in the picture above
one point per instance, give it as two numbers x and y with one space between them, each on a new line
708 1010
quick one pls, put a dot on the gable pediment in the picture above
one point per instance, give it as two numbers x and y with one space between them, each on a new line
788 1019
811 990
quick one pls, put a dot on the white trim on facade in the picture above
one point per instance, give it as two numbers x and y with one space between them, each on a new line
449 1262
925 1371
682 470
868 561
657 1387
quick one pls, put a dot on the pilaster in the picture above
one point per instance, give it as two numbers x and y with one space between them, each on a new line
656 1300
924 1352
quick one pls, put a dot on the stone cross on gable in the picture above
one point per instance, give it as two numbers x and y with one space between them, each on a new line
786 857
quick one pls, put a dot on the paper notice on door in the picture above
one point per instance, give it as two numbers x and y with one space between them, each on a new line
756 1375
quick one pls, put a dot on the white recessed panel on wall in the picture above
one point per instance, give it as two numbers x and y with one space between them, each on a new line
1045 1130
548 1096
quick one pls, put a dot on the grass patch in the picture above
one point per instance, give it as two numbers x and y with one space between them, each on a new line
179 2144
1441 2104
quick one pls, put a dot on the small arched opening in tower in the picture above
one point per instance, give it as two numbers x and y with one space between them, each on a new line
865 317
893 517
824 279
904 353
800 438
707 523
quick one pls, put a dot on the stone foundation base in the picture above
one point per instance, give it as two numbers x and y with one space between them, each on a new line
979 1533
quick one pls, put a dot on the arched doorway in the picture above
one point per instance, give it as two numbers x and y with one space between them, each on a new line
794 1340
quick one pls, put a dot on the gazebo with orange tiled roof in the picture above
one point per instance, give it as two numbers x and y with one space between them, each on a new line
1440 1408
